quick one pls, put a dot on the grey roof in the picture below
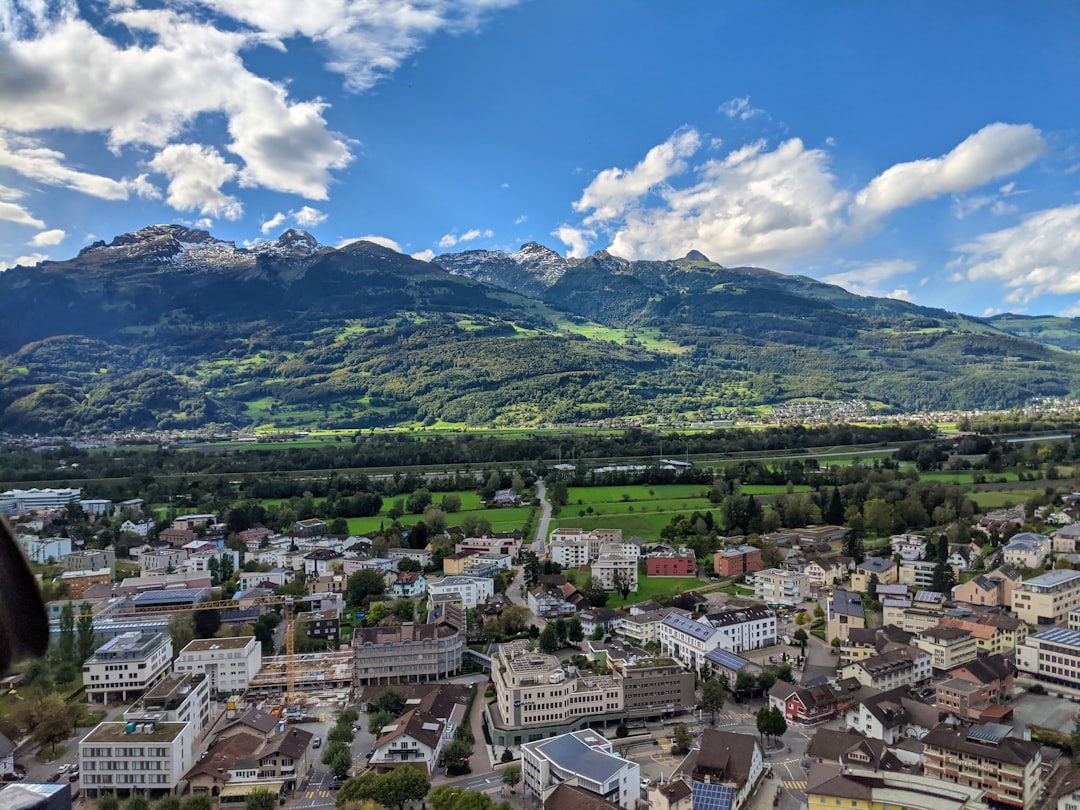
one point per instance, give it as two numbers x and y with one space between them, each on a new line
846 603
682 624
876 565
1059 635
570 753
728 660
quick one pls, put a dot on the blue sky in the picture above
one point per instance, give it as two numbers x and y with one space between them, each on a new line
924 150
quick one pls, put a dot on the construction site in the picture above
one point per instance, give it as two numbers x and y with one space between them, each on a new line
317 678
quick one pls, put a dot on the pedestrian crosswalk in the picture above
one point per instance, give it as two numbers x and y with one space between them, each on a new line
318 794
734 716
664 743
795 784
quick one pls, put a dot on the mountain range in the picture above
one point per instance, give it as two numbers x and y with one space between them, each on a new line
170 328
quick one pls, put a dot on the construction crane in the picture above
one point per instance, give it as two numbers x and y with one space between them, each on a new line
243 603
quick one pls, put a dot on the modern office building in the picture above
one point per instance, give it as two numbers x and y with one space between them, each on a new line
148 758
410 653
18 501
1048 598
123 667
229 664
583 758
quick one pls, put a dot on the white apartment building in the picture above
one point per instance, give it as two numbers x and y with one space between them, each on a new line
229 664
687 641
583 758
917 574
898 665
45 549
144 757
612 566
639 629
474 591
167 559
569 548
1026 550
124 666
1048 598
776 586
742 629
181 698
908 546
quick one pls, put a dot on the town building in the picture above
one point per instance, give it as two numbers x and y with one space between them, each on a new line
148 758
1052 656
687 641
654 687
409 653
775 586
843 612
803 705
737 561
229 664
825 573
994 589
585 759
890 715
969 701
640 629
908 546
898 665
614 570
79 582
1047 598
90 560
948 647
501 543
321 561
163 560
831 786
409 584
602 618
20 501
124 666
547 600
987 756
724 770
1026 550
743 629
994 630
536 696
182 698
46 549
886 571
322 625
569 548
474 591
917 574
682 563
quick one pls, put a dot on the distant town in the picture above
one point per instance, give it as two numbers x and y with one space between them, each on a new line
881 633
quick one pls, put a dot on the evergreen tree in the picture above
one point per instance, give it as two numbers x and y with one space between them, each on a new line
87 641
66 644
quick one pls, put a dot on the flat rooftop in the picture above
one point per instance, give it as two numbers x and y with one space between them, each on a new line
206 644
117 732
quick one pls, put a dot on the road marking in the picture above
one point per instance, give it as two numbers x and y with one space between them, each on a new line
795 784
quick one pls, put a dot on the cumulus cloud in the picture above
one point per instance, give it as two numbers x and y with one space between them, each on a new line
520 220
994 151
1036 257
614 190
308 217
576 239
869 278
385 241
273 223
148 92
424 255
752 205
46 238
196 174
450 239
740 108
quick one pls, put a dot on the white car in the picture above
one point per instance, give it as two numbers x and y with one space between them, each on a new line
645 784
64 768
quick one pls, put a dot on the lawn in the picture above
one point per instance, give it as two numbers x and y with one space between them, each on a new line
646 525
502 520
632 494
648 587
1003 498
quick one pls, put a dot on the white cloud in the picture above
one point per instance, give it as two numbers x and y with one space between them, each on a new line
365 39
994 151
272 223
196 174
1000 208
450 239
308 217
576 239
868 278
424 255
13 212
520 220
613 190
1036 257
751 206
26 261
29 158
385 241
46 238
147 93
740 108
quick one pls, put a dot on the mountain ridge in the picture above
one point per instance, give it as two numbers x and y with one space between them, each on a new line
170 327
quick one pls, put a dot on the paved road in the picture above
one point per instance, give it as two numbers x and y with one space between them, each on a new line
545 513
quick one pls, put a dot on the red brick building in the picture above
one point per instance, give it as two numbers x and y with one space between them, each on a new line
682 564
731 562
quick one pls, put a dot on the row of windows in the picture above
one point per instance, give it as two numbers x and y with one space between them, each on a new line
125 751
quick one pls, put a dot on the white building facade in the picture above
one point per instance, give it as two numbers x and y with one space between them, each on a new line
229 664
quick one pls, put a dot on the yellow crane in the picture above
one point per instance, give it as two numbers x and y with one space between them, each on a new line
287 602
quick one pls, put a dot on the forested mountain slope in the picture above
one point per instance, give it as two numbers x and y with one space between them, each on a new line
168 327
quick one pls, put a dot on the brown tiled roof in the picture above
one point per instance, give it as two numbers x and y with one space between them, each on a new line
675 790
1010 750
292 743
220 759
723 756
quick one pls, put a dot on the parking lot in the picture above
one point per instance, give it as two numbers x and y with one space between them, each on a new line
1048 711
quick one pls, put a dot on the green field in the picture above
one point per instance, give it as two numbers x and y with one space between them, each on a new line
630 494
1003 498
502 520
648 587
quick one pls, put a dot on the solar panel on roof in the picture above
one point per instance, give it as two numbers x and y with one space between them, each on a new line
988 732
712 797
726 659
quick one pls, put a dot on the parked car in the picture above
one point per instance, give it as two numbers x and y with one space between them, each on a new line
65 767
317 742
